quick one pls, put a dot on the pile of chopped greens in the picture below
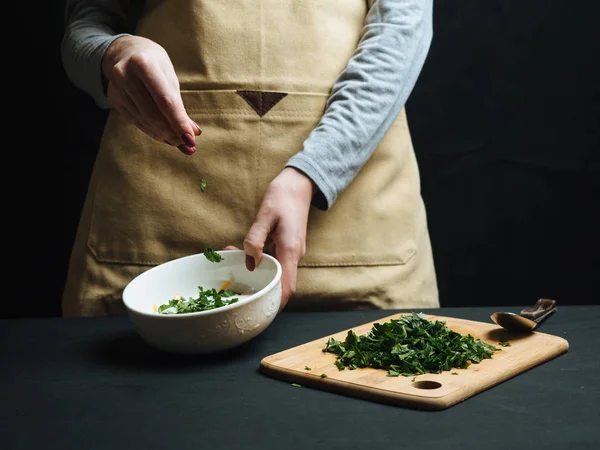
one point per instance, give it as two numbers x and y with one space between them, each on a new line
207 299
408 346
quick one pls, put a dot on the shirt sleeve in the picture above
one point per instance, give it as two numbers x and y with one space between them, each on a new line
368 95
90 27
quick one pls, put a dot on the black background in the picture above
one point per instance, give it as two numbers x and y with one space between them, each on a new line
505 122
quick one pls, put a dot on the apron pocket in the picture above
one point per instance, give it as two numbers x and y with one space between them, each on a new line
149 206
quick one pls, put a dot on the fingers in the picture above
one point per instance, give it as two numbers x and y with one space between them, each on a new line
155 120
289 266
164 91
290 247
197 129
126 107
269 248
256 237
152 101
288 258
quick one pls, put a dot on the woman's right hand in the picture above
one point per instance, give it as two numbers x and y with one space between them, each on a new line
143 87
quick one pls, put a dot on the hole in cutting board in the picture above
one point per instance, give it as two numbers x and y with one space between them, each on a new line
427 385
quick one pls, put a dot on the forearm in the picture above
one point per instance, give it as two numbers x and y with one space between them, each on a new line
368 95
90 27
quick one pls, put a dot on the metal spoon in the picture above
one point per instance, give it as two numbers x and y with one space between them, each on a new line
528 319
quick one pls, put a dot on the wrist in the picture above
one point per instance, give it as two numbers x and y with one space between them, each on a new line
111 55
304 181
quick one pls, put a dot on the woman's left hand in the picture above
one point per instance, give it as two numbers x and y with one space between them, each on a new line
283 217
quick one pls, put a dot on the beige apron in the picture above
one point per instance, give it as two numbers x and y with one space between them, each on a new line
256 76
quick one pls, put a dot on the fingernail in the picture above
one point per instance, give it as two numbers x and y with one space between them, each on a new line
186 149
250 263
198 127
188 139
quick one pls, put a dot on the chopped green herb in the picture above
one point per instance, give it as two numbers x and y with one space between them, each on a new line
307 368
212 256
409 345
504 343
323 375
202 185
454 373
339 364
207 299
296 385
413 379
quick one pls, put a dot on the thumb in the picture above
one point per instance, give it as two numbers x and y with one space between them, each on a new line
254 242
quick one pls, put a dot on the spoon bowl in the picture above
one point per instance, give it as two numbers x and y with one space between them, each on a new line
513 321
529 318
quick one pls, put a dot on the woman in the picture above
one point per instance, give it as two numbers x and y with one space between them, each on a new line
229 119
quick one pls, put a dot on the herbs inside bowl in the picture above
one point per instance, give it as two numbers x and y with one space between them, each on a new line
207 299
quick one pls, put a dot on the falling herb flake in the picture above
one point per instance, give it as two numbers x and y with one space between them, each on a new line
307 368
202 185
323 375
410 345
296 385
454 373
413 379
207 299
212 255
504 343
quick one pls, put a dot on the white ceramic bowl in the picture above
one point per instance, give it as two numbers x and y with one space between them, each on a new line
206 331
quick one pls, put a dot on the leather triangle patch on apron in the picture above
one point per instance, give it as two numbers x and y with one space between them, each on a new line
261 102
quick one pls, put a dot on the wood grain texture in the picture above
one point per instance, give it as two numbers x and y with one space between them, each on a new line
428 391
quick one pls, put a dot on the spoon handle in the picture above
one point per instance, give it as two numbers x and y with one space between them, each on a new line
542 309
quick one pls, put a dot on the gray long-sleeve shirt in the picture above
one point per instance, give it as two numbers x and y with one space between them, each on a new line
364 101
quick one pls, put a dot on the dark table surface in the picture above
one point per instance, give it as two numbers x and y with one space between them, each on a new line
92 383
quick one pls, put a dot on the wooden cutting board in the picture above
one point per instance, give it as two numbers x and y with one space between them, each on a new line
427 391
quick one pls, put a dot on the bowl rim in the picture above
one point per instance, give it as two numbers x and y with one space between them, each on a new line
209 312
